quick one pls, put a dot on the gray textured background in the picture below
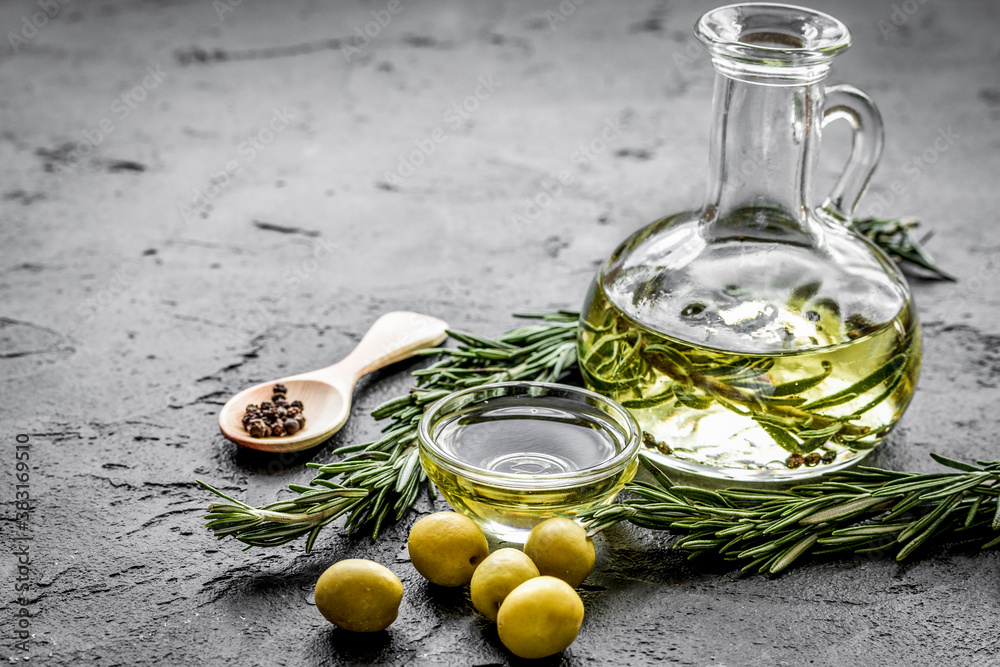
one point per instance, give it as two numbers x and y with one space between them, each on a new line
127 323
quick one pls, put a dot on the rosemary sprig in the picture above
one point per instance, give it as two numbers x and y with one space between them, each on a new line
281 522
894 236
857 511
379 481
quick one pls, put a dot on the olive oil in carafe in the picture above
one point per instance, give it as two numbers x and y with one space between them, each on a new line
740 415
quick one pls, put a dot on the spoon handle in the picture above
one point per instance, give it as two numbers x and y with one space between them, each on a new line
394 337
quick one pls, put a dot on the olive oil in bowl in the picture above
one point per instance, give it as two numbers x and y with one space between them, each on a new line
510 455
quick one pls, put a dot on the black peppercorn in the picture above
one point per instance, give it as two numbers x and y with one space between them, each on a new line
812 459
795 460
829 457
276 417
258 429
653 443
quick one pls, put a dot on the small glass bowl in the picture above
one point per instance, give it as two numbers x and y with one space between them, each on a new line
507 487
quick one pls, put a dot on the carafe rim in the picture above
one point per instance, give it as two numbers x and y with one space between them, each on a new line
772 43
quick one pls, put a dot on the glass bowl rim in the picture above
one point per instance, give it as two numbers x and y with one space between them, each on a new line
629 427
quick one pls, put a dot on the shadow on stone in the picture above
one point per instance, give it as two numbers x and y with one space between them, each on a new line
365 648
450 601
272 463
490 636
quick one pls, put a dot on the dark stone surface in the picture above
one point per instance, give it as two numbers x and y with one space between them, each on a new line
127 319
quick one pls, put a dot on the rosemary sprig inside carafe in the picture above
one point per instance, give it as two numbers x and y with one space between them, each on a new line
823 404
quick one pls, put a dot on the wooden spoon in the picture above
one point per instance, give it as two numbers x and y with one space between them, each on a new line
326 393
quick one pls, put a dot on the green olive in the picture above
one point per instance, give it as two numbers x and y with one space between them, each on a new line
359 595
560 548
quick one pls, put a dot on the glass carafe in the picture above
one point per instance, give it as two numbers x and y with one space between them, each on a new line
760 337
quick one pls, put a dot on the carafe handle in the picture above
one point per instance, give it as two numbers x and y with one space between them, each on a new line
845 102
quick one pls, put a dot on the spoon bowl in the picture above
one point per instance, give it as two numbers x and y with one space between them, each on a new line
326 393
327 413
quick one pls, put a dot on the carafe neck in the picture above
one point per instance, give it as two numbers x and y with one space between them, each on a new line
763 148
770 61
